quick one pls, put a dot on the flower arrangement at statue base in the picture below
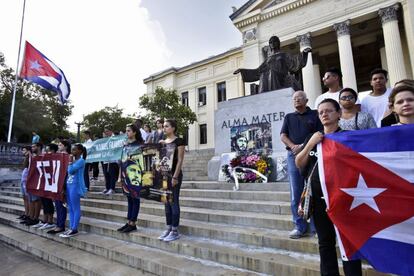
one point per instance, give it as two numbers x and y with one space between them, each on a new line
258 162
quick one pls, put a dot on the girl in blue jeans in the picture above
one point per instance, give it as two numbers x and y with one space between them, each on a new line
172 209
75 188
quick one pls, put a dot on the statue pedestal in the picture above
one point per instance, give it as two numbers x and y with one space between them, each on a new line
252 123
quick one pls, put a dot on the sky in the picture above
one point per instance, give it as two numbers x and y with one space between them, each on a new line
106 48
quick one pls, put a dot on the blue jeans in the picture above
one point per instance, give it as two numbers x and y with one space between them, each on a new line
73 200
133 208
296 188
60 214
172 210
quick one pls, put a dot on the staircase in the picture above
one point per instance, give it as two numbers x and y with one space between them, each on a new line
195 164
224 232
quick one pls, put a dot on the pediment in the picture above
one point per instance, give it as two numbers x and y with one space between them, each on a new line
253 7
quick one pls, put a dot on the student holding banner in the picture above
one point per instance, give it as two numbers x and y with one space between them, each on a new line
61 211
27 151
75 187
172 209
131 176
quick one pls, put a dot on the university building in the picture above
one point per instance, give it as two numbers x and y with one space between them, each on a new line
354 35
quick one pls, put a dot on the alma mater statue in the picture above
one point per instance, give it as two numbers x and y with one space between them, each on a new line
278 69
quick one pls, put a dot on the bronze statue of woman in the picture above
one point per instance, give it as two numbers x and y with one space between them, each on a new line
278 70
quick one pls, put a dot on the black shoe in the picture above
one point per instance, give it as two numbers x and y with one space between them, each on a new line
24 221
53 231
22 217
31 222
130 228
122 228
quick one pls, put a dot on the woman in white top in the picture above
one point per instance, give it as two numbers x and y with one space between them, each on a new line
351 118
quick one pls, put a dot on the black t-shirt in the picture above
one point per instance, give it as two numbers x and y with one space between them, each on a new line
298 126
177 143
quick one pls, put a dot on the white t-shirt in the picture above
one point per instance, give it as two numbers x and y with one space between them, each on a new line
143 134
329 95
376 106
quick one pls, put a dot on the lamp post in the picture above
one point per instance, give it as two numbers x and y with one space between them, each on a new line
78 135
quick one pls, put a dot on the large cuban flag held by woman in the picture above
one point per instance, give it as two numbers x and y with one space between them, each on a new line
39 69
367 179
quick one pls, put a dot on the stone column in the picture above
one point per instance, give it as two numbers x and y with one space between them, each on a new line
345 54
392 40
316 76
305 41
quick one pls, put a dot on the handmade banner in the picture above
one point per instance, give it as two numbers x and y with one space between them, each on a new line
47 175
367 179
105 149
146 171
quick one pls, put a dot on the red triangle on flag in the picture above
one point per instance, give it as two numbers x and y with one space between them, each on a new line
342 170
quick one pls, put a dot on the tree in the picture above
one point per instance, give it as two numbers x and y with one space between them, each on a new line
36 109
96 121
167 104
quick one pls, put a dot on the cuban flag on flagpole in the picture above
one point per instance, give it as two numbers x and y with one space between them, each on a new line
37 68
367 179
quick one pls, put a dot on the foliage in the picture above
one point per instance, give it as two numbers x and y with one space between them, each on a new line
167 104
260 162
113 117
36 109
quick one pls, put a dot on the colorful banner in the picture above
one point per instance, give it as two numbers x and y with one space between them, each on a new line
47 175
146 171
105 149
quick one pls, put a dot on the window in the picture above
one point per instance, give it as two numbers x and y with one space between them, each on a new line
203 134
202 96
254 89
185 136
184 98
221 91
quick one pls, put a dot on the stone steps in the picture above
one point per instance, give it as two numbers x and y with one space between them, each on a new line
63 256
215 232
249 236
124 257
117 210
282 208
101 238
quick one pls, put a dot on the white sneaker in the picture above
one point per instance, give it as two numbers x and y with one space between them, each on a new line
40 224
65 234
104 191
47 226
172 236
109 192
164 234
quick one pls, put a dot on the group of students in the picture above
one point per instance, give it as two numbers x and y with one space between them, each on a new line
335 115
75 188
172 208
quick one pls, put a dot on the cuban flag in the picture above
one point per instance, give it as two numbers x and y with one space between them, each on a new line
37 68
367 179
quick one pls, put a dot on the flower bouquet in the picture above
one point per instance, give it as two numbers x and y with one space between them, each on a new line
246 166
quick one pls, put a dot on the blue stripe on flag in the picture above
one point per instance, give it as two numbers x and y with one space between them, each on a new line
387 139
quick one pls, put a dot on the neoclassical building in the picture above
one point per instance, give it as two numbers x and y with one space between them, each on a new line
354 35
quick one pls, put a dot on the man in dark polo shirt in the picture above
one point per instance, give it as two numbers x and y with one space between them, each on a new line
296 127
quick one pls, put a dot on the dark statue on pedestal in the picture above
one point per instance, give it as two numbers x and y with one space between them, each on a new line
278 70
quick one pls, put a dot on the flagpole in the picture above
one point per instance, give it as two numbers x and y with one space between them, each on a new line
15 79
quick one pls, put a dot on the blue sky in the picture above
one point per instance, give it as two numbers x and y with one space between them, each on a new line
107 47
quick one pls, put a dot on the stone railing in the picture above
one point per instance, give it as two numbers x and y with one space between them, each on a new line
11 154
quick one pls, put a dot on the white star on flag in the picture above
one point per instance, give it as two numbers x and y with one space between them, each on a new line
34 65
363 195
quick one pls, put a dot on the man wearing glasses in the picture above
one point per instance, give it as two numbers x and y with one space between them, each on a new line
331 80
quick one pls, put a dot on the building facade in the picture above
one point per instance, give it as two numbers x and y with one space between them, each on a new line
354 35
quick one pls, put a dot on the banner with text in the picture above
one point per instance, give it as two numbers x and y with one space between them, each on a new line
105 149
47 175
